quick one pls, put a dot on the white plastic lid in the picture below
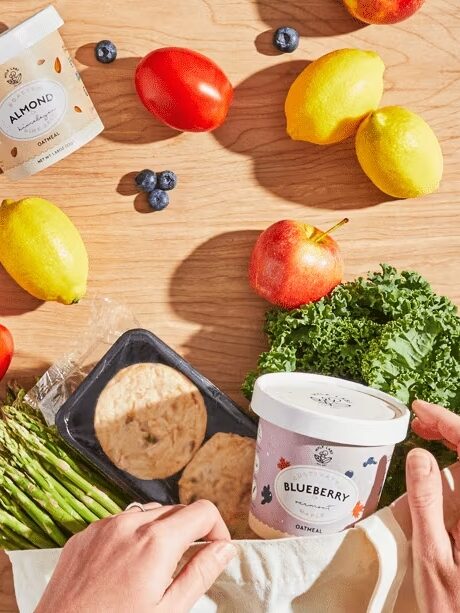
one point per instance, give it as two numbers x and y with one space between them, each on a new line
330 409
28 33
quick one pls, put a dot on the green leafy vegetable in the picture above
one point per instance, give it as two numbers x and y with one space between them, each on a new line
389 331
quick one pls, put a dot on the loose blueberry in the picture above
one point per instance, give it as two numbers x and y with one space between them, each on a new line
146 180
167 180
158 199
105 51
286 39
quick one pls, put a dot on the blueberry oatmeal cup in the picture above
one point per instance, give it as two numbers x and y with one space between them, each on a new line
324 446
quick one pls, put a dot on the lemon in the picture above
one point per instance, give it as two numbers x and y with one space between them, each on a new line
42 250
399 152
330 98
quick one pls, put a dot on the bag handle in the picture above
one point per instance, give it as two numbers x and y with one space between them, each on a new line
392 549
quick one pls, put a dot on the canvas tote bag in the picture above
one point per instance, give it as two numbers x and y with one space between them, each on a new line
366 569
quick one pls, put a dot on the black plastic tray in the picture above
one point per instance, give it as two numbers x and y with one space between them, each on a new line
75 419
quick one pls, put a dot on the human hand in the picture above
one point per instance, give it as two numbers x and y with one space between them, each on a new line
127 562
436 552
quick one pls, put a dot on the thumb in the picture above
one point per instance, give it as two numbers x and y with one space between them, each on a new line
198 575
430 539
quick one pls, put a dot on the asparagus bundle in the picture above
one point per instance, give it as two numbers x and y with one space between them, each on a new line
47 493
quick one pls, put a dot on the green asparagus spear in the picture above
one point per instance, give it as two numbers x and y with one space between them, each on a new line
9 504
32 441
57 446
40 517
25 531
68 503
90 474
6 545
98 510
19 400
9 399
20 458
18 541
45 499
23 460
67 499
93 476
11 393
10 542
73 505
106 487
32 421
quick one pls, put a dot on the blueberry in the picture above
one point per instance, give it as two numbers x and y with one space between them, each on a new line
146 180
286 39
105 51
158 199
167 180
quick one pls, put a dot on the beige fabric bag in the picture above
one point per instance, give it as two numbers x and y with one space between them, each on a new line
363 570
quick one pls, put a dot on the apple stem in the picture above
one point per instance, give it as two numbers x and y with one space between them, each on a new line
337 225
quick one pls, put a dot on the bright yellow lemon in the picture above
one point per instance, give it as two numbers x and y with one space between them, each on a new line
330 98
399 152
42 250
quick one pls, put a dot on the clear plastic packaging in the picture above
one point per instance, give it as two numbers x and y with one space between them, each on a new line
108 321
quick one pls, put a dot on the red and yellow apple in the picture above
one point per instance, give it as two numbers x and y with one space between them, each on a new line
382 11
294 263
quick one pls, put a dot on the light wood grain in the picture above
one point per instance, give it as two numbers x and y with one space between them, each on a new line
183 271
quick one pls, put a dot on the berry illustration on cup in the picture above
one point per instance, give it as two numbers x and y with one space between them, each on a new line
358 510
369 462
283 463
267 496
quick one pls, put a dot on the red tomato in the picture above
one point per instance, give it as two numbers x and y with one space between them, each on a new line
183 89
6 350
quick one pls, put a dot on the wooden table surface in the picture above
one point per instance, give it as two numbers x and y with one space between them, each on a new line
183 271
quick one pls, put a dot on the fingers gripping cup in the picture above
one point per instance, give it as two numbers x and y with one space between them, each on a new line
45 110
323 450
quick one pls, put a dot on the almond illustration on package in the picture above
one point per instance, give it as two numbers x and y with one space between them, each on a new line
39 91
